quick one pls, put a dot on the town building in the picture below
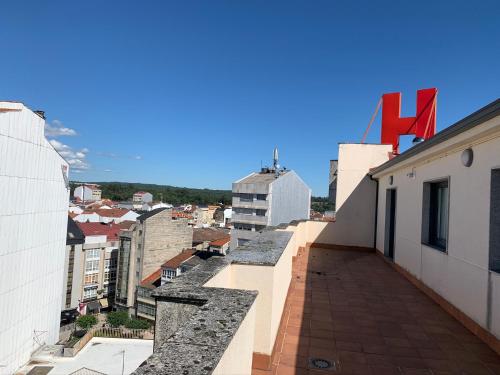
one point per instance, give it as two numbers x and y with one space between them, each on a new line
150 206
203 236
405 280
33 224
220 246
106 215
87 192
204 215
156 237
174 267
142 197
270 197
73 266
100 264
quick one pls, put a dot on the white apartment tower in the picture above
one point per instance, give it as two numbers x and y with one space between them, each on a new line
270 197
33 216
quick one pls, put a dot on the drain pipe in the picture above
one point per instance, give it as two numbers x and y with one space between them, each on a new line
376 214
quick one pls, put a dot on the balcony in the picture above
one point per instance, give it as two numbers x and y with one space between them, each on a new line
249 219
250 203
292 301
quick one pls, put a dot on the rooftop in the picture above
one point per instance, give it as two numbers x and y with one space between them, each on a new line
260 178
111 230
176 261
208 234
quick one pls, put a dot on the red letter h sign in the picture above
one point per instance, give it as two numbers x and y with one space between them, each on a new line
423 125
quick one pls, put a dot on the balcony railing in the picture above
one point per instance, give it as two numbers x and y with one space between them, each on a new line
250 203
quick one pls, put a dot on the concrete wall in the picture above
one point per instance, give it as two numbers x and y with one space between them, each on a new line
33 224
164 238
461 274
77 279
355 160
237 358
290 199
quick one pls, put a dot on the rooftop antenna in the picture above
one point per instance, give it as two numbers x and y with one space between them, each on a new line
276 166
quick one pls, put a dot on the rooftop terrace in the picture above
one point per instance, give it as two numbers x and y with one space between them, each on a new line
291 303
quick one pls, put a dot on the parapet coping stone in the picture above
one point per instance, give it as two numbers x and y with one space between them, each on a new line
198 346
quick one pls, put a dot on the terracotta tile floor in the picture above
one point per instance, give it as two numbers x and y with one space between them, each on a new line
353 309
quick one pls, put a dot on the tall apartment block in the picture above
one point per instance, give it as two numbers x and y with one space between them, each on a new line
72 281
155 238
270 197
33 219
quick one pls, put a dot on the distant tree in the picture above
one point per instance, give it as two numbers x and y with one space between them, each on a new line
86 321
137 324
117 318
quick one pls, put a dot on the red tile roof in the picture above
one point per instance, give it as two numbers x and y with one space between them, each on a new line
111 231
220 242
110 212
176 261
151 278
179 214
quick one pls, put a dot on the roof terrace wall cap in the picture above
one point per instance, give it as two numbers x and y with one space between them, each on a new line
198 346
264 250
484 114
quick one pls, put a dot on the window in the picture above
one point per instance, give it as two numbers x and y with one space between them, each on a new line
91 279
260 212
261 197
494 257
146 309
92 254
246 197
90 292
242 226
435 214
91 266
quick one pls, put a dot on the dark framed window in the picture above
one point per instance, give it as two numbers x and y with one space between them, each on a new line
494 253
435 214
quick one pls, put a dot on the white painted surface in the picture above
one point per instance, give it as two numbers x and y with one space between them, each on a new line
105 355
461 275
33 219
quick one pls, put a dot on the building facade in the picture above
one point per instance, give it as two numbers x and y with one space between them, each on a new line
73 266
32 235
156 237
142 197
267 198
332 181
87 192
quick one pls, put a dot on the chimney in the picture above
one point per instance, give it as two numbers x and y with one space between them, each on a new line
40 113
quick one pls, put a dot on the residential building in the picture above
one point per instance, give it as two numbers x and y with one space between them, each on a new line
33 224
270 197
100 263
150 206
222 216
155 237
203 236
204 215
142 197
174 267
73 266
220 246
405 280
87 192
106 215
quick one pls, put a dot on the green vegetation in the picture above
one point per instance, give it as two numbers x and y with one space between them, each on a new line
321 204
137 324
117 318
86 321
123 191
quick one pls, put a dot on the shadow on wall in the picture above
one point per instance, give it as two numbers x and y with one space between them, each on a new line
355 219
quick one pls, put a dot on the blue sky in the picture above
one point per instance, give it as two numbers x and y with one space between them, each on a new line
198 93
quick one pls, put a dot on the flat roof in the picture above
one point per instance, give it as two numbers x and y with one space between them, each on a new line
259 178
477 118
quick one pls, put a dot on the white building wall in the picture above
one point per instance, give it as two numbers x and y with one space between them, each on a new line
461 275
33 219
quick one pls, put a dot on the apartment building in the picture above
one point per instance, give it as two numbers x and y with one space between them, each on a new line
33 220
87 192
99 269
270 197
156 237
332 181
142 197
73 266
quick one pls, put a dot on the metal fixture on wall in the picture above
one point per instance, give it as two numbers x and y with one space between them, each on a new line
467 157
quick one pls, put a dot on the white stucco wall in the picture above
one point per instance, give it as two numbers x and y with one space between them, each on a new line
461 275
33 219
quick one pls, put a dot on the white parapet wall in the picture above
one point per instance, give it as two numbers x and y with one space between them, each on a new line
33 219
